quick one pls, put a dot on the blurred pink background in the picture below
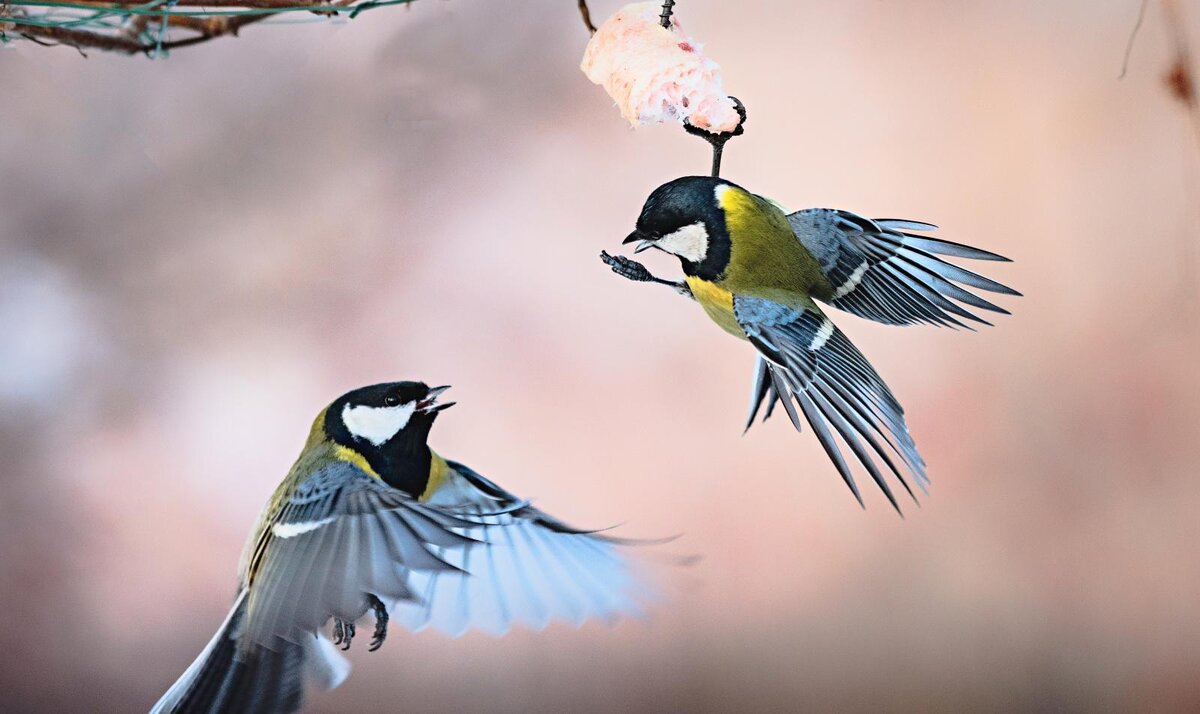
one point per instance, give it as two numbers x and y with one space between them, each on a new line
197 254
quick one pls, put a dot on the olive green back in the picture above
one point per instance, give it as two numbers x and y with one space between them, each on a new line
765 255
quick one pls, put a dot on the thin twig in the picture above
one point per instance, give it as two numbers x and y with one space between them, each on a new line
210 26
96 30
1133 36
140 4
587 16
83 38
665 18
215 27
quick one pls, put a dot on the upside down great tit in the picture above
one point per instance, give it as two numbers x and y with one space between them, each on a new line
370 518
758 274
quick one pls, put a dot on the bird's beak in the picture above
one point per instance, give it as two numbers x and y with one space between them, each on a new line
429 404
645 243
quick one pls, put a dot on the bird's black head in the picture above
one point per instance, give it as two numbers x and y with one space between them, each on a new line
685 218
388 424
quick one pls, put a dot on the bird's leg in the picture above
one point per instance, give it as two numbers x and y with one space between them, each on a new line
381 622
635 271
343 633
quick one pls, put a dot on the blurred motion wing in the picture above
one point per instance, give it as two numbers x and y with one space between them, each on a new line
532 570
882 272
810 361
342 534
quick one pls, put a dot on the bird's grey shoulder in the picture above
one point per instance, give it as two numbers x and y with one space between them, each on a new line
340 487
324 479
762 312
763 317
823 232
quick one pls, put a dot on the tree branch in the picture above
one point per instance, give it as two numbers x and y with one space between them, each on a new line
91 23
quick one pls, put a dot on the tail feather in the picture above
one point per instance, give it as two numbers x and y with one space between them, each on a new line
325 666
258 680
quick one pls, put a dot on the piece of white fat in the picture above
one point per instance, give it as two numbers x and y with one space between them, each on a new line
655 74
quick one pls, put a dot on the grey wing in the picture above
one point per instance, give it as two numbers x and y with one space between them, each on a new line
882 271
808 362
533 570
342 535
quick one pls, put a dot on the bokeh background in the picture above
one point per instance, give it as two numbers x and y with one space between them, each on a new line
197 254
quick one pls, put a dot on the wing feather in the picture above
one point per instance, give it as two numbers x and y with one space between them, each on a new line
490 564
813 365
342 535
879 270
533 570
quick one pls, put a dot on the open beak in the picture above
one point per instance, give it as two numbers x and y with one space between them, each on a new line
429 404
645 243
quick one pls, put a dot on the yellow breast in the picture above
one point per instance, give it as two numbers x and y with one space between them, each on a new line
439 471
717 302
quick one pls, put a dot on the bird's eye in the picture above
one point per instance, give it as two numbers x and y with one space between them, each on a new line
391 400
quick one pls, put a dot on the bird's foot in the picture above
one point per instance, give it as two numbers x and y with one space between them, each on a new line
635 271
381 622
626 268
343 633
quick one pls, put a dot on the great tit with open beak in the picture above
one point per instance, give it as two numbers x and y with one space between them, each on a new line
758 273
371 519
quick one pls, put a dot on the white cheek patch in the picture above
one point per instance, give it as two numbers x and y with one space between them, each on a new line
689 242
377 424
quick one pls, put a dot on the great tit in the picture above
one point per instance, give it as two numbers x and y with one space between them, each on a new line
370 518
758 273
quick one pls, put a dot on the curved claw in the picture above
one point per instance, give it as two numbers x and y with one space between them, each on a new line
381 623
343 633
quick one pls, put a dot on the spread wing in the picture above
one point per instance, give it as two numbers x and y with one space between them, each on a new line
882 271
809 363
341 535
534 569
